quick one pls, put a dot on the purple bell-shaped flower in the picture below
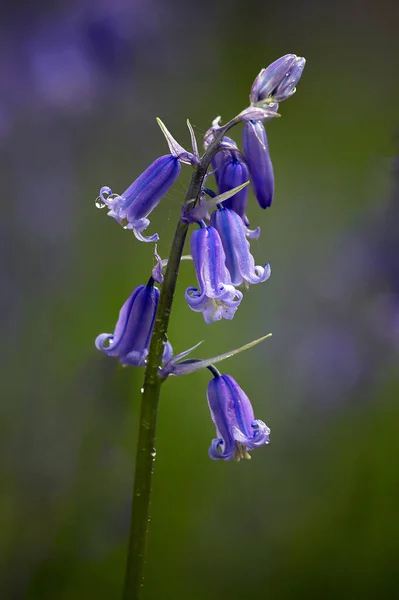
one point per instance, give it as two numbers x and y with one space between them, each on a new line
132 208
239 260
237 430
131 338
277 82
215 297
256 152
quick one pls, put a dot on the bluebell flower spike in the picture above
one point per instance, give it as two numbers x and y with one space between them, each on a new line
239 260
215 297
132 208
131 338
237 430
256 152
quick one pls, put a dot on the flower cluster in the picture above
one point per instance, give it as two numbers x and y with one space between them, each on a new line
220 247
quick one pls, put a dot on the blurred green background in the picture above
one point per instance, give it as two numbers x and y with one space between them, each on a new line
314 514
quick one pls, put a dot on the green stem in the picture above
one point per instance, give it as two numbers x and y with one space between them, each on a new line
145 456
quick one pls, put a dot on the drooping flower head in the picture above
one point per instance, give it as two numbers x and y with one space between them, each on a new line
132 208
131 338
277 82
239 260
236 428
256 152
216 297
228 146
234 172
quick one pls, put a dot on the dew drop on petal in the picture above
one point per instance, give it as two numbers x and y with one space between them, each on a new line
112 197
100 202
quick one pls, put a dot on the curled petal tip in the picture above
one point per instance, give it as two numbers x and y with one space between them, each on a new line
157 271
138 226
239 260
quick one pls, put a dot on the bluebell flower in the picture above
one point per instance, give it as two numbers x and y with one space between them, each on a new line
230 171
131 338
216 297
239 260
277 82
132 208
236 428
256 152
227 145
287 86
234 173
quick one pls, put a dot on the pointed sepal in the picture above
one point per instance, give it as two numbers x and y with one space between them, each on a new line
201 211
177 367
176 149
